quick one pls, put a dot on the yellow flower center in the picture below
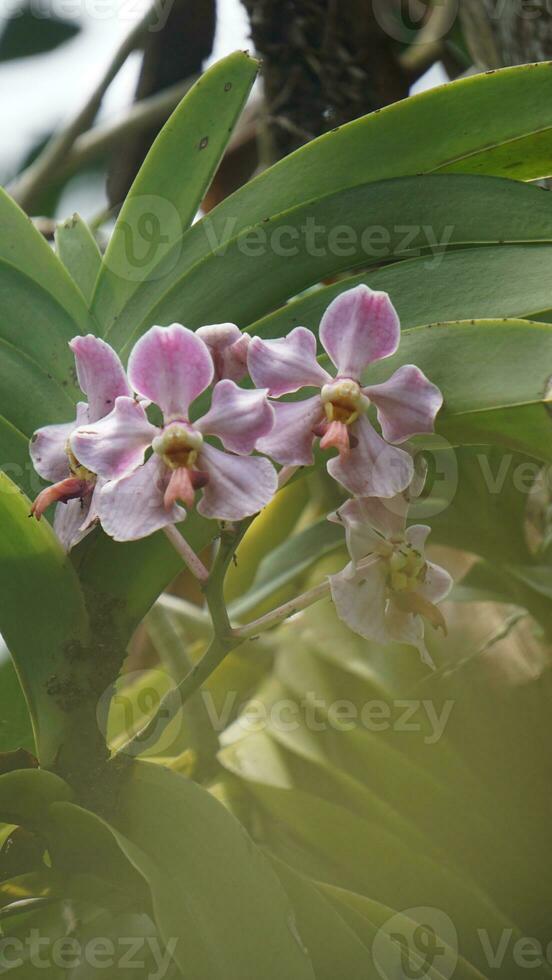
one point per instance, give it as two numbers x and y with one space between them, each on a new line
343 401
178 445
76 468
407 569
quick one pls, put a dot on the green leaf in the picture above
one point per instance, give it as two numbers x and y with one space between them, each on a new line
288 561
383 220
78 250
15 724
513 281
26 795
27 34
212 888
335 949
495 378
42 616
172 182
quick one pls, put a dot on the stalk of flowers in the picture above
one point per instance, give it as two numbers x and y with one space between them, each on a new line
389 590
359 327
170 367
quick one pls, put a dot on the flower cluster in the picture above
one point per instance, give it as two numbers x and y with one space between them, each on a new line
149 440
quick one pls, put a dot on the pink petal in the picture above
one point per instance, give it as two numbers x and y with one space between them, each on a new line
238 417
68 523
360 326
133 507
100 373
48 447
115 445
290 441
407 404
228 347
417 535
372 468
437 584
238 486
407 628
287 364
368 520
360 598
170 366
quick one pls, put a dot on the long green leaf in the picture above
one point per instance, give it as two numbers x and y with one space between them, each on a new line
42 616
513 281
398 218
212 888
78 250
172 182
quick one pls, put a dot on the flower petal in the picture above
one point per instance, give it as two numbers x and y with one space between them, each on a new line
100 373
287 364
228 347
360 326
115 445
170 366
406 627
68 523
417 535
372 468
437 583
407 404
360 598
238 486
133 507
367 520
48 447
290 441
239 417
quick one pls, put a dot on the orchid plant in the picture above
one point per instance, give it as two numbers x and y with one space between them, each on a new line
236 459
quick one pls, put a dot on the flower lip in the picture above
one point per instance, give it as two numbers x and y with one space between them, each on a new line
178 445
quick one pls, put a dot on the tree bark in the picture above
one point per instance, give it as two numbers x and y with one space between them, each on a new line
507 32
325 62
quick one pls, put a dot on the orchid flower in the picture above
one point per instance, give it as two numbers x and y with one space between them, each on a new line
171 367
102 378
389 588
228 348
358 328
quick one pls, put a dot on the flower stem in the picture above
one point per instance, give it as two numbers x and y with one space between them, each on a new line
187 553
279 615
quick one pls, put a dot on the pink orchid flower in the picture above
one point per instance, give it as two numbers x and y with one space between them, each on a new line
228 348
170 367
389 588
359 327
102 378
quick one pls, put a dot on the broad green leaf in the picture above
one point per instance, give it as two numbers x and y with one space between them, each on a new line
15 723
497 125
493 282
25 34
334 948
388 219
494 375
42 617
172 182
78 250
26 795
22 246
212 888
